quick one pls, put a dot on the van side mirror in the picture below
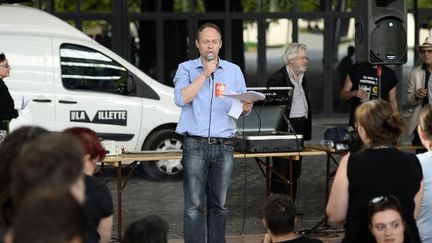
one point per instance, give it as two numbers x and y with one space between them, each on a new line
131 87
127 86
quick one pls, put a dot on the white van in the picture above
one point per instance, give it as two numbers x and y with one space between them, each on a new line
71 80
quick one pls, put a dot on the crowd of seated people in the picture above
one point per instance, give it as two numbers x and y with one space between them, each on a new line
367 196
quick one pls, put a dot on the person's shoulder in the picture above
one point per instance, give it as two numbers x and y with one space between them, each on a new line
228 65
357 67
191 63
94 183
406 156
417 68
357 158
425 160
425 155
278 72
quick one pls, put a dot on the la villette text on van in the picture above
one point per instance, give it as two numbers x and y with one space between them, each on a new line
113 117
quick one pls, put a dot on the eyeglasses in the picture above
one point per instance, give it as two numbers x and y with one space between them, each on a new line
303 58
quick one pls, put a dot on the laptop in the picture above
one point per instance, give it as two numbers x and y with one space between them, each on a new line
266 116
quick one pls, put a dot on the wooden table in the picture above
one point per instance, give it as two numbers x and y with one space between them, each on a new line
134 158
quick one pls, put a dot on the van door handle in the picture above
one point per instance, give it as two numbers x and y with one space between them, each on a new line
42 100
67 102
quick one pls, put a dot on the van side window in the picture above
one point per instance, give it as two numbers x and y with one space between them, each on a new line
87 69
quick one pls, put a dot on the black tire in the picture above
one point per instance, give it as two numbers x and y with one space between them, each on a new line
163 170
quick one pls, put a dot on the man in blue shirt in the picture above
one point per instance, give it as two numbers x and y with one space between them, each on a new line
207 148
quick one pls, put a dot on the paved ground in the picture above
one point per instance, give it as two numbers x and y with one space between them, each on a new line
143 196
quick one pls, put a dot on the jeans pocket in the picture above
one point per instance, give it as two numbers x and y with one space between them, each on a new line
229 147
191 144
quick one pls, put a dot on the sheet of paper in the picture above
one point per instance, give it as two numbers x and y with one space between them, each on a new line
250 95
24 103
236 109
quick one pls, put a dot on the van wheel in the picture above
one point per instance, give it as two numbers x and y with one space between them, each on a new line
163 170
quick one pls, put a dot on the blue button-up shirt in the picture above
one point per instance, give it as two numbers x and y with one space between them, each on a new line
207 114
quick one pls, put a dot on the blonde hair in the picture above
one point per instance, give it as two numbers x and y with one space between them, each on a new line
425 120
381 124
292 51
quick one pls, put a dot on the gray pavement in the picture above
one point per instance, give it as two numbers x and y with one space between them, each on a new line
142 196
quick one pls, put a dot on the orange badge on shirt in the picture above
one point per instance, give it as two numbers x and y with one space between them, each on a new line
220 89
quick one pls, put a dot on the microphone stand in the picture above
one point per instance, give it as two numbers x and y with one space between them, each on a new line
323 221
379 74
291 129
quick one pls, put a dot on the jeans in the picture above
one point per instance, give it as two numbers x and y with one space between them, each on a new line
207 170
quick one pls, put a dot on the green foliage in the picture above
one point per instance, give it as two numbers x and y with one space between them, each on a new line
308 5
250 5
96 5
424 4
65 5
85 5
188 5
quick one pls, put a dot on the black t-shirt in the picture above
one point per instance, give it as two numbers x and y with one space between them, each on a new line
99 205
366 77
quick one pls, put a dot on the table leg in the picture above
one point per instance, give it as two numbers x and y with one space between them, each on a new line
267 177
290 179
327 178
119 200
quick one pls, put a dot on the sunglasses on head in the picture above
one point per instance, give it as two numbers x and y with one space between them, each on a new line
382 199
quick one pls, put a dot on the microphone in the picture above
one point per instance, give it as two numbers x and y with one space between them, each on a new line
379 71
211 57
379 74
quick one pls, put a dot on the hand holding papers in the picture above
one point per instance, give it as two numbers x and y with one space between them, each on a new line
237 106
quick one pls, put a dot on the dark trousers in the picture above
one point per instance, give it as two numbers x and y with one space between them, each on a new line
281 165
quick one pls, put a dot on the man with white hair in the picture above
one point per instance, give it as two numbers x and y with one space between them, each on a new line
298 111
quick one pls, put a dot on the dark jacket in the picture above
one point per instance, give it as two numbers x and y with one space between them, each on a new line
7 107
280 78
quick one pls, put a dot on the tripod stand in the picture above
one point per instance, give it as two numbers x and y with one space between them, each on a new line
329 174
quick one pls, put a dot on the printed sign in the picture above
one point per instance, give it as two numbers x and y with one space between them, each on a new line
112 117
370 85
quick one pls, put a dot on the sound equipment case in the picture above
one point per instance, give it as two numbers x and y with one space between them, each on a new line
254 142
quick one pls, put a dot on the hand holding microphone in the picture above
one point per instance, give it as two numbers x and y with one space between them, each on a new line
210 65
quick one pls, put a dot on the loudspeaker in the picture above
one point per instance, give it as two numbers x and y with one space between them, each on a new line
380 31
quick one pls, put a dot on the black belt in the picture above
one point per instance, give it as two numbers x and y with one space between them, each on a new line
211 140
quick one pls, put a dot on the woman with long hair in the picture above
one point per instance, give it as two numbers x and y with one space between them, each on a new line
379 169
